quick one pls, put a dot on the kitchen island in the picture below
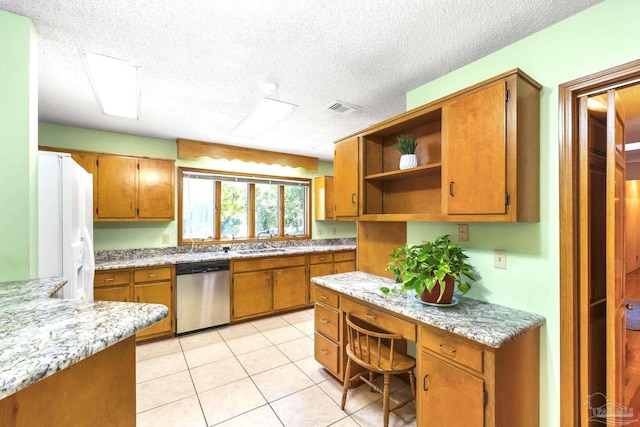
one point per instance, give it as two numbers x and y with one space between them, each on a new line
475 359
67 362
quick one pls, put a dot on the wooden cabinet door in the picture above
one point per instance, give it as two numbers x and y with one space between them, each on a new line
344 266
323 198
155 293
474 174
345 183
448 396
155 189
116 187
289 287
252 293
318 270
120 293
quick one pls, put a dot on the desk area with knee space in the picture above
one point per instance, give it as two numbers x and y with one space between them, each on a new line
477 363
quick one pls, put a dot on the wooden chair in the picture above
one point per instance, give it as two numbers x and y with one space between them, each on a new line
375 351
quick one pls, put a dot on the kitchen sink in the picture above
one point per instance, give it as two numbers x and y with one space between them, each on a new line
261 251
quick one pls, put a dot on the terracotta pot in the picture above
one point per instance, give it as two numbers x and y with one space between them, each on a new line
432 297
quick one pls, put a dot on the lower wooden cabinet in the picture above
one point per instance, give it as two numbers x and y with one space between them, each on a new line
328 337
322 264
266 285
154 285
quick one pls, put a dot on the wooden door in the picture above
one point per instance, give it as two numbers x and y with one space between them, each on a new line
593 187
155 189
449 396
345 183
616 174
120 293
155 293
116 187
252 293
474 153
289 287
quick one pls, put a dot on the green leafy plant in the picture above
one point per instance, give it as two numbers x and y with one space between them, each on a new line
406 144
420 267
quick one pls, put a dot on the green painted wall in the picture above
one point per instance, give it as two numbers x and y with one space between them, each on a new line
601 37
149 234
18 149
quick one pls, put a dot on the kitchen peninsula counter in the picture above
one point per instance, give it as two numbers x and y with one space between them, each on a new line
62 346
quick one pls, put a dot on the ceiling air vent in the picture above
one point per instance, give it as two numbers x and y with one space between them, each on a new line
342 107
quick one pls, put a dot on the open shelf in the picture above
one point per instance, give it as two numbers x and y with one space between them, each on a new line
424 170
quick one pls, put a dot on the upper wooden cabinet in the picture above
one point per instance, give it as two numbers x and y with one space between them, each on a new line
323 198
478 158
127 188
346 180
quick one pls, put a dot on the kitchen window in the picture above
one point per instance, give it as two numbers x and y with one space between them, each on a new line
223 206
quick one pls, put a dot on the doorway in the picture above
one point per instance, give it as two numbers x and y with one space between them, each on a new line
594 111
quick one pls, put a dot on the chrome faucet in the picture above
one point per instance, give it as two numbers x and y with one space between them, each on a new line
260 233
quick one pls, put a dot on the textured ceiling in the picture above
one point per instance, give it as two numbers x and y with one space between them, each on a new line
204 62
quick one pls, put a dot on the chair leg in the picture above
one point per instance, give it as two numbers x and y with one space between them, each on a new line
347 380
412 381
385 399
371 389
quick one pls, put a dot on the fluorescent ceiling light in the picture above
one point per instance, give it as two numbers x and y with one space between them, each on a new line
267 114
115 83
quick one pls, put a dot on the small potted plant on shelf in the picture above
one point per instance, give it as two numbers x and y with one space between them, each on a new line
406 145
432 269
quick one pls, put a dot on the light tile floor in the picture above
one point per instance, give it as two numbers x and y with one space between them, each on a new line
259 373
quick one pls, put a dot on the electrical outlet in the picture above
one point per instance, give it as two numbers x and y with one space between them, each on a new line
500 259
463 232
165 239
333 231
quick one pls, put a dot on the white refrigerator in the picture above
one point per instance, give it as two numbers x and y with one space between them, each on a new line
65 224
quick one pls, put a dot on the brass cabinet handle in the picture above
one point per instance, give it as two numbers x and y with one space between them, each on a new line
325 321
444 349
353 198
369 316
324 297
424 383
153 275
110 279
325 352
629 306
451 189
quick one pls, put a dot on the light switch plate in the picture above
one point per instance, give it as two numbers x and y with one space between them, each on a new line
500 259
165 239
463 232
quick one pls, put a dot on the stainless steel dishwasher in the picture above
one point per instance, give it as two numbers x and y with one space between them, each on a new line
202 295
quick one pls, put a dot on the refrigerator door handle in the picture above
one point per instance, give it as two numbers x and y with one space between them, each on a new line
90 261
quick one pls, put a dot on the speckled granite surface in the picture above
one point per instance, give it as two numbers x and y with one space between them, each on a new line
142 258
39 336
489 324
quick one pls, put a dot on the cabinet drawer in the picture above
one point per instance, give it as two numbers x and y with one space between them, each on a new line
110 278
320 258
344 256
268 263
326 353
387 322
152 275
451 348
326 321
327 297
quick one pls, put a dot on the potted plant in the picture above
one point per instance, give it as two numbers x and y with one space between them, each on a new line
406 145
432 269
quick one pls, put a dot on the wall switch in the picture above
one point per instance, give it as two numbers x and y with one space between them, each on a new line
463 232
165 239
499 259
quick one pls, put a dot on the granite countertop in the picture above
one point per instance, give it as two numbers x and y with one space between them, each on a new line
181 258
489 324
40 336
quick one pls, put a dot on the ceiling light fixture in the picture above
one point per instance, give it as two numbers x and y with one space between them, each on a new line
115 83
265 115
